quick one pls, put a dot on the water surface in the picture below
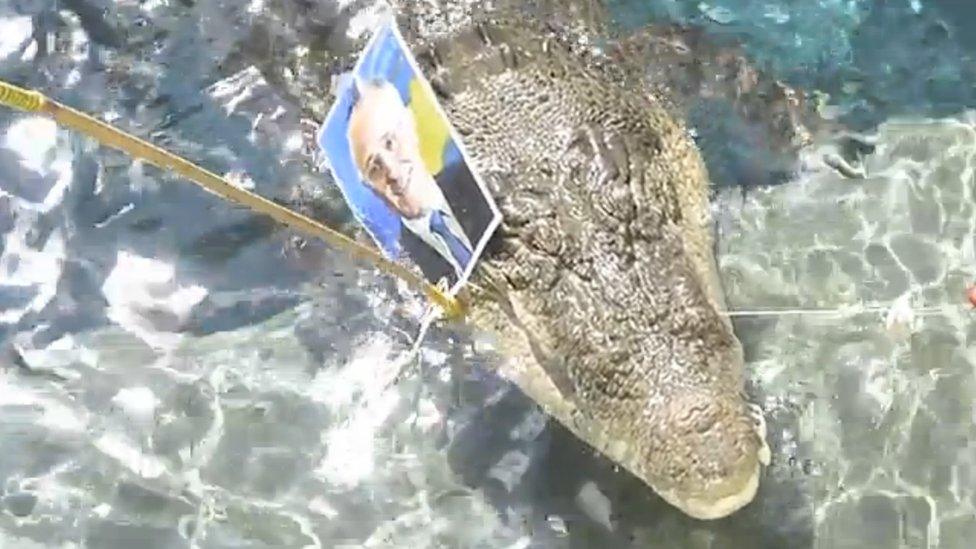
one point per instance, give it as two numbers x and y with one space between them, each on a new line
180 373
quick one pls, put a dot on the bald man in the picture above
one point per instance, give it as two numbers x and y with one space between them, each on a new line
385 148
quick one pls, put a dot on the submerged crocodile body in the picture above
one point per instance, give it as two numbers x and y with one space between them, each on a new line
600 284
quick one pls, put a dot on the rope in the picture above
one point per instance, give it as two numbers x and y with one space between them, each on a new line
32 101
19 98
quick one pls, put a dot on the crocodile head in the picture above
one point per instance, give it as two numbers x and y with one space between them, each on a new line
600 284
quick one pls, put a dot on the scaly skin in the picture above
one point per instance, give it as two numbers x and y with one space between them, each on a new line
600 283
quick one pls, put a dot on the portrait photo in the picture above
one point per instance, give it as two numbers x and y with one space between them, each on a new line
402 168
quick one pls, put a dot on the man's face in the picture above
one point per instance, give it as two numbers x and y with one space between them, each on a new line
385 148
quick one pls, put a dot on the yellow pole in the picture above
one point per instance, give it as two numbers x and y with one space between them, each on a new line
33 101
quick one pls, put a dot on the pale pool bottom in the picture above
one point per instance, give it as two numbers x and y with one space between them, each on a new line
887 421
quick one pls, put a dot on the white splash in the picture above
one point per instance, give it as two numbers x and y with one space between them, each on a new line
140 291
558 525
237 88
29 52
900 320
150 5
351 454
138 404
320 506
366 373
523 542
240 179
14 31
255 7
32 138
35 140
351 446
294 142
72 79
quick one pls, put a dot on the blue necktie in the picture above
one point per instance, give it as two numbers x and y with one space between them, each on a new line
460 252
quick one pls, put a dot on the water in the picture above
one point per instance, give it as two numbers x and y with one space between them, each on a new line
275 418
873 59
887 418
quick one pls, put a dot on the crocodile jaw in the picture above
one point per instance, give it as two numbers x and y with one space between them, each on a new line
712 509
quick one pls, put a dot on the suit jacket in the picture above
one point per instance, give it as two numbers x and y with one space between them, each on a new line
472 212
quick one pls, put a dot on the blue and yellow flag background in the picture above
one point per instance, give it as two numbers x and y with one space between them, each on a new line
385 58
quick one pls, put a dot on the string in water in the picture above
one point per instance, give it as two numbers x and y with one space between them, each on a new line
924 311
899 316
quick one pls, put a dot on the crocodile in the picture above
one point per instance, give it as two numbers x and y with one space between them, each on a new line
600 286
